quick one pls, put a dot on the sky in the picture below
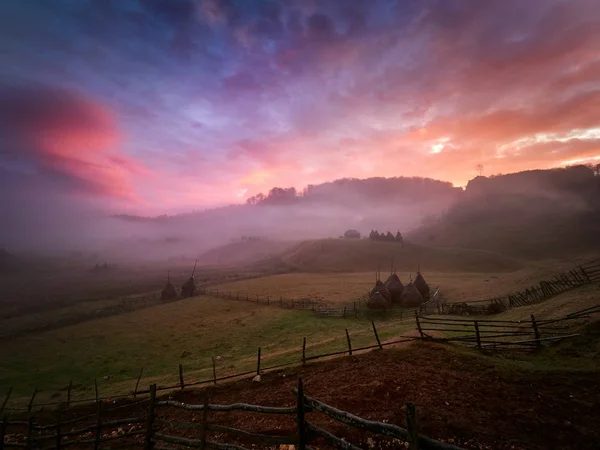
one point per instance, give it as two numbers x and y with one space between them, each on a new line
165 106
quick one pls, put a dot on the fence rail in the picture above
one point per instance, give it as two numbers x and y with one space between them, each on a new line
94 429
155 430
500 334
480 333
579 276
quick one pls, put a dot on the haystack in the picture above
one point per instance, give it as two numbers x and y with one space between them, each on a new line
189 288
169 292
377 301
395 287
411 296
422 286
384 291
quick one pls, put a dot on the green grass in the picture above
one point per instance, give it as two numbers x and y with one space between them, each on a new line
155 338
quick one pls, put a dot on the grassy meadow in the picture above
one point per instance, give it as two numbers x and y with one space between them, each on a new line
347 287
113 324
158 338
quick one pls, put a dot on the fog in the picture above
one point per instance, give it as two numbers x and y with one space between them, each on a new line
61 228
45 223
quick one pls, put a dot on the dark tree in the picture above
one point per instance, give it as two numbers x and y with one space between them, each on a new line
399 237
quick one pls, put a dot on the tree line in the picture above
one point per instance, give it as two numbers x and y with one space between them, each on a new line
377 236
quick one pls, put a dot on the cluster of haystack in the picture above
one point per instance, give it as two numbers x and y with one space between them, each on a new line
376 236
394 292
188 289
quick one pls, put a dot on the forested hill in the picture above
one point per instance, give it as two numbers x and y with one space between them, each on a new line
540 213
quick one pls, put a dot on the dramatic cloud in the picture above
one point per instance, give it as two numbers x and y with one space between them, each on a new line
65 138
179 104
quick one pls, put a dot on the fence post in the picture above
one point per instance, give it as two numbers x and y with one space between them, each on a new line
258 363
181 384
149 444
2 433
413 427
476 324
585 274
98 426
30 406
58 435
304 351
536 331
418 324
29 441
300 416
344 313
349 343
5 400
69 393
96 389
138 382
376 335
214 371
204 421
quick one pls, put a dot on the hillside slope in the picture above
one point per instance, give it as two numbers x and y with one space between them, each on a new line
344 255
245 252
533 215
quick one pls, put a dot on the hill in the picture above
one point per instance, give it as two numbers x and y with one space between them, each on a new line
342 255
244 252
9 263
536 214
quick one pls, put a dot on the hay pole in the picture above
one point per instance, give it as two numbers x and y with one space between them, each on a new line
181 383
376 335
349 343
6 400
137 383
304 351
214 371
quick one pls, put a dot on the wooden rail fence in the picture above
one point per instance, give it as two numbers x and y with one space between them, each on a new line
480 333
500 334
580 275
148 429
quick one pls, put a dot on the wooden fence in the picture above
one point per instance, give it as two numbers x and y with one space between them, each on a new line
183 383
578 276
148 429
500 334
479 333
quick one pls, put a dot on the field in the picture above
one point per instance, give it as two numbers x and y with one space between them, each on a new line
347 287
78 326
160 337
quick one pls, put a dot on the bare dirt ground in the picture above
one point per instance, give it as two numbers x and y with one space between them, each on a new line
467 399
